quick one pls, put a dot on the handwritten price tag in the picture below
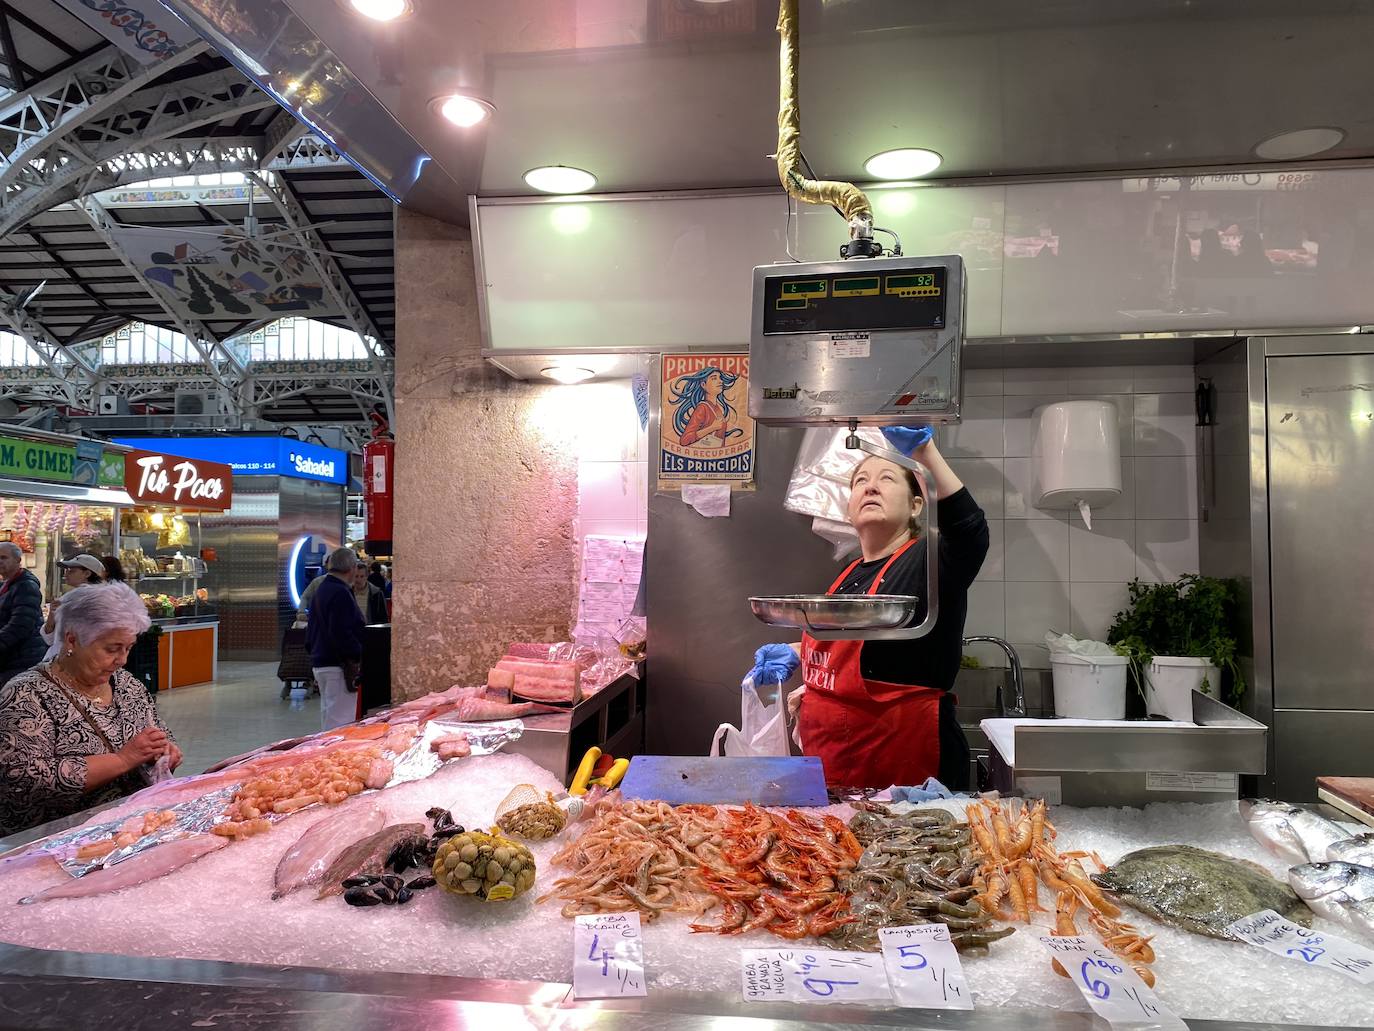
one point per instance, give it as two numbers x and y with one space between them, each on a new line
923 968
1111 988
608 956
1284 938
809 975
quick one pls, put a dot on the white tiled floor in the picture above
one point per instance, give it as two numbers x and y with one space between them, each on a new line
239 712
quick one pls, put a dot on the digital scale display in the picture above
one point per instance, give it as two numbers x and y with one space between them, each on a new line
843 302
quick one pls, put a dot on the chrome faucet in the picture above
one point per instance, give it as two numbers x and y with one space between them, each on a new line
1018 687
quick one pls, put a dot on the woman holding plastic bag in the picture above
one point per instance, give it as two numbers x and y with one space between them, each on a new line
880 713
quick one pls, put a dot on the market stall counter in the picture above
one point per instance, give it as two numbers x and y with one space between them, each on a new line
376 874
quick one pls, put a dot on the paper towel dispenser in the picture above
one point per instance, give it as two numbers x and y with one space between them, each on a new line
1076 456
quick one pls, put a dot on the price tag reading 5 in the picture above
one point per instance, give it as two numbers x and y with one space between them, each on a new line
1108 984
923 968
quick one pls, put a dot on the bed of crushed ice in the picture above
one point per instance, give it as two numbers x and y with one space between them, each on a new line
219 909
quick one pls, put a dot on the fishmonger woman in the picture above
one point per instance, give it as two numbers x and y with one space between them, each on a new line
881 712
79 730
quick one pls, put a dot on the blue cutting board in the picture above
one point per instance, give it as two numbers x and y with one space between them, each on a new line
797 780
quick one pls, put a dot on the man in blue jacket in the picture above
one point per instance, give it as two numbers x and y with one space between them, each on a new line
334 636
21 614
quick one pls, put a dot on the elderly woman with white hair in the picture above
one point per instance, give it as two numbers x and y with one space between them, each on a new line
80 730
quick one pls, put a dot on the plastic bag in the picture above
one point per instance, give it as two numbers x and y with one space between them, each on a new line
1067 644
632 636
762 727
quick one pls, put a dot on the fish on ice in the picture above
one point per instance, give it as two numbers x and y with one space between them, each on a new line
307 859
365 856
1289 832
1343 892
140 868
1359 850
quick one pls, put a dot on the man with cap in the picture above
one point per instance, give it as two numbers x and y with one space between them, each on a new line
77 571
21 614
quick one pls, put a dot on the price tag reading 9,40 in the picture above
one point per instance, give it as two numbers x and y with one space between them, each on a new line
813 975
1110 986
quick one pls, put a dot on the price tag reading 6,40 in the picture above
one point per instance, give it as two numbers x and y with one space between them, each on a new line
813 975
1110 986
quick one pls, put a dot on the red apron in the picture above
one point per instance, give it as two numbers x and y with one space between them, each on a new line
868 733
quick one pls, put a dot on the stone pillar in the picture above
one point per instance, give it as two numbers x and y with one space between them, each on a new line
486 482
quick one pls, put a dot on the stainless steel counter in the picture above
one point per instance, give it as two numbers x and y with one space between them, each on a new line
612 720
64 990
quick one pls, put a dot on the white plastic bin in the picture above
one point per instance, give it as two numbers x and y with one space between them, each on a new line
1169 684
1089 687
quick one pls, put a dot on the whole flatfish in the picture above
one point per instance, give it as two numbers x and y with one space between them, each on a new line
306 861
365 856
139 868
1199 891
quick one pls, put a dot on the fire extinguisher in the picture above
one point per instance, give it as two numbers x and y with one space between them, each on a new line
379 468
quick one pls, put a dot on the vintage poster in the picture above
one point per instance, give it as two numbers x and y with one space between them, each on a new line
705 434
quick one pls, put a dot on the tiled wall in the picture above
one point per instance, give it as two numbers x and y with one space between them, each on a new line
612 460
1044 569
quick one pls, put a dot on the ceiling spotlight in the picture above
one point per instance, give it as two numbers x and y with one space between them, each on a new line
910 163
1299 143
567 374
463 110
559 179
380 10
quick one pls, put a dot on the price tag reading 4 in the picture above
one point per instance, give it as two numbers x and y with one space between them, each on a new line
608 956
812 975
1111 988
923 968
1284 938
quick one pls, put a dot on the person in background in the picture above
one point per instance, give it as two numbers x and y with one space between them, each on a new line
371 601
376 577
386 572
81 731
21 614
114 570
334 635
77 571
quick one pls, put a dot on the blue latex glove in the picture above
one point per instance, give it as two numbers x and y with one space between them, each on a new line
773 664
907 439
931 790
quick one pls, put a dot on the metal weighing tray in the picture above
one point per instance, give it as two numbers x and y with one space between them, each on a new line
828 612
1132 764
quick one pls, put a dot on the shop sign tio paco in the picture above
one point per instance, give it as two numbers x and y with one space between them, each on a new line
156 479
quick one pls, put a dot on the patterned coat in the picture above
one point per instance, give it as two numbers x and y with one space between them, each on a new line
44 742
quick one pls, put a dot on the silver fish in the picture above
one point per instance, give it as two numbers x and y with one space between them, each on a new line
1343 892
1293 834
140 868
1359 849
307 859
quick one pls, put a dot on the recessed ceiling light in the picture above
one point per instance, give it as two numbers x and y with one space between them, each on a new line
463 110
909 163
560 179
380 10
1300 143
567 374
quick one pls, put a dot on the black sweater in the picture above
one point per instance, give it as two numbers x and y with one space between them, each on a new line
335 631
21 620
933 660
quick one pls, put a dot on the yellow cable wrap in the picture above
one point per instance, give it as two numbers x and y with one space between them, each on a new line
851 201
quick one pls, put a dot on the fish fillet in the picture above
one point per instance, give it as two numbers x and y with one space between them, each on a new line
148 865
306 861
479 710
